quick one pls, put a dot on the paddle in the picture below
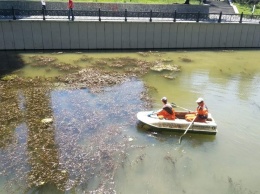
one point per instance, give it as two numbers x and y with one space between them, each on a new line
187 130
174 105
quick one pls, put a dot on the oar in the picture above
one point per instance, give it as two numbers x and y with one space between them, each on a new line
174 105
187 130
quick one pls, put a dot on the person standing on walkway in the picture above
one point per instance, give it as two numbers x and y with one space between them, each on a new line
43 8
71 6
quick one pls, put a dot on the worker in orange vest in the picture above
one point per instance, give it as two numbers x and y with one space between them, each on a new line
167 111
201 113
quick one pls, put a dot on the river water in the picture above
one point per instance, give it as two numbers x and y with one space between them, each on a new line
98 145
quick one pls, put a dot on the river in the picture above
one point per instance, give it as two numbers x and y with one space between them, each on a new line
95 146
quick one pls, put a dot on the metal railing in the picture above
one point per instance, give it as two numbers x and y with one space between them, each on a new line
101 15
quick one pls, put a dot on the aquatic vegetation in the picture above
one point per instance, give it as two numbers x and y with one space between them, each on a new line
92 78
169 76
84 58
161 67
50 148
185 59
52 62
39 61
143 54
9 77
53 152
65 67
100 63
170 159
237 187
121 61
150 53
140 68
89 142
167 60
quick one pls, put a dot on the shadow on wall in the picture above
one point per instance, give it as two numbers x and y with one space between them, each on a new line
10 61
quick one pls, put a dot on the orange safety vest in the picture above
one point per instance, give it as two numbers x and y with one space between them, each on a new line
167 112
202 112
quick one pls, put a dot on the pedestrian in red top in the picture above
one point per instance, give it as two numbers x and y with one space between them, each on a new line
71 6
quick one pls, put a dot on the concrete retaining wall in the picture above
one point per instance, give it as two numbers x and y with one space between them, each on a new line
23 35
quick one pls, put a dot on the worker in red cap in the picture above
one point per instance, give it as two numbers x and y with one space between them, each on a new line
167 111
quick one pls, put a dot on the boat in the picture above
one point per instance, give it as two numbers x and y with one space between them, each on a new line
154 123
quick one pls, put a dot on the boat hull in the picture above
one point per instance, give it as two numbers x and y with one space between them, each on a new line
177 125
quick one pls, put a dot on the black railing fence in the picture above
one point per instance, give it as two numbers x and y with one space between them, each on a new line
101 15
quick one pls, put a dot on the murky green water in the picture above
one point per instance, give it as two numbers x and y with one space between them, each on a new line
94 145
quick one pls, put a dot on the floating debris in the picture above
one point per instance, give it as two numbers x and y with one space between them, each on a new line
47 120
162 67
169 76
130 139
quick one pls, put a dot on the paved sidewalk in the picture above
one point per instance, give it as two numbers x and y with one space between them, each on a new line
220 6
213 18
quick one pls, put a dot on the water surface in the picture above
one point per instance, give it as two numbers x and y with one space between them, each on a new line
105 151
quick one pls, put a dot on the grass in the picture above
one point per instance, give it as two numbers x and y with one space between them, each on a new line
247 9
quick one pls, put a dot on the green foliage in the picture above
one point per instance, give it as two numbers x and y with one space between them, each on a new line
9 77
247 9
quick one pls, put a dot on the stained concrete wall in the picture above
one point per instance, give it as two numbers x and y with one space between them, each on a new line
41 35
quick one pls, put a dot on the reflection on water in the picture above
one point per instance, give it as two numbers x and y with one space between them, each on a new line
94 143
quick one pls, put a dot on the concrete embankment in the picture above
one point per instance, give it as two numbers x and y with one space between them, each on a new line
41 35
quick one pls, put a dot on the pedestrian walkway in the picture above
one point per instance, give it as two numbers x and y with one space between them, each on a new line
220 6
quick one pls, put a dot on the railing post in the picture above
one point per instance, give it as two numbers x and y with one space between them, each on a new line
175 15
151 13
99 15
198 17
13 12
43 14
125 15
241 18
220 16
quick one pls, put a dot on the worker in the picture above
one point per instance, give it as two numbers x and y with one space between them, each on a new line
201 114
167 111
